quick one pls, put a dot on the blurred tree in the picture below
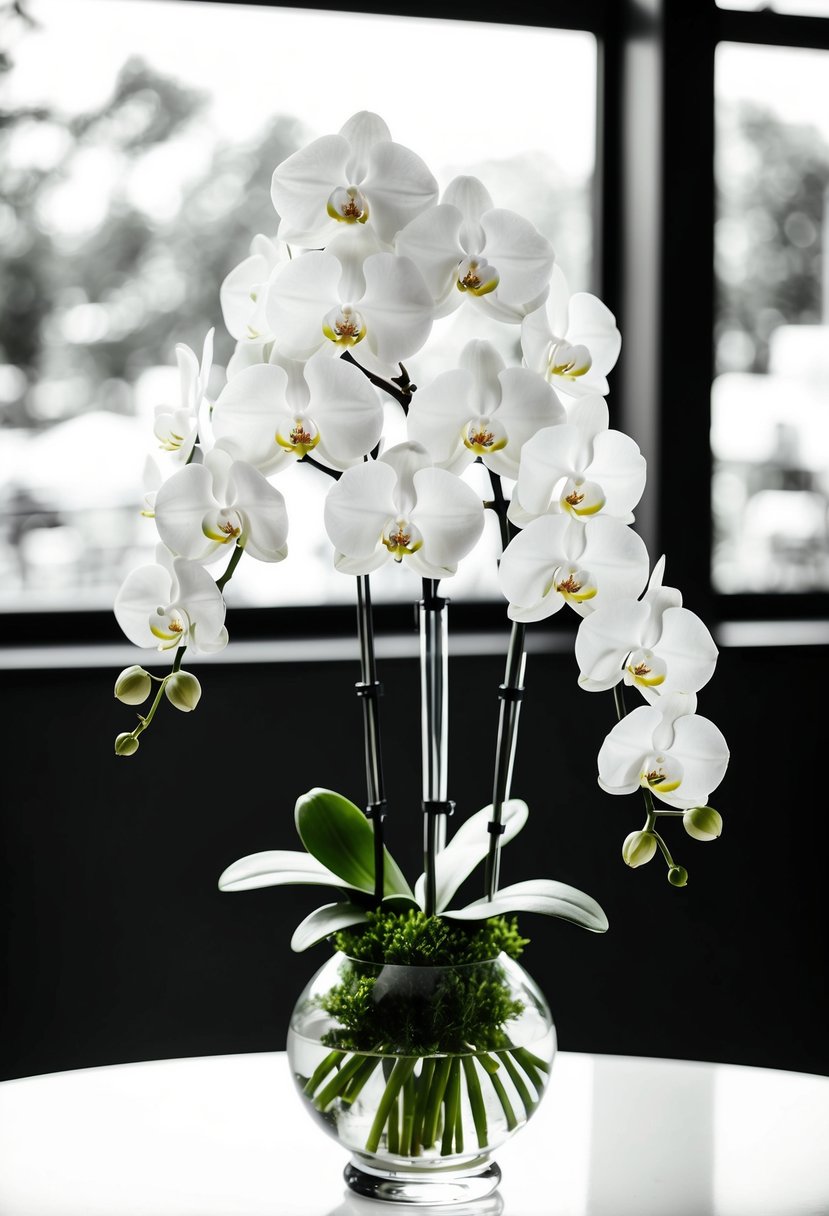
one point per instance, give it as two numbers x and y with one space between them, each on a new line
772 180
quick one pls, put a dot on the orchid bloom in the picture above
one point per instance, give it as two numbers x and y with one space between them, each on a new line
401 507
204 507
358 177
342 296
666 748
558 560
468 249
271 414
581 468
571 340
175 603
176 430
482 409
243 292
653 643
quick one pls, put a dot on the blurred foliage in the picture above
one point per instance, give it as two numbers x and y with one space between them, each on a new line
154 281
772 179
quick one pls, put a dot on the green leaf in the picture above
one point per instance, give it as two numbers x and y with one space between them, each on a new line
468 848
324 921
538 895
277 868
337 833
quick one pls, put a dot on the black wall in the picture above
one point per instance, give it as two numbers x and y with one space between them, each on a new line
119 946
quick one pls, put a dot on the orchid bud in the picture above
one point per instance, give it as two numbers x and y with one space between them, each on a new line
678 876
702 822
638 848
133 685
183 690
126 745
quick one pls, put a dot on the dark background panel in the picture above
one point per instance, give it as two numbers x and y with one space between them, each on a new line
119 946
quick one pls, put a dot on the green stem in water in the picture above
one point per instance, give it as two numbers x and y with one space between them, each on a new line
518 1082
407 1125
321 1072
341 1082
392 1130
452 1101
498 1086
401 1072
476 1100
424 1088
360 1077
437 1089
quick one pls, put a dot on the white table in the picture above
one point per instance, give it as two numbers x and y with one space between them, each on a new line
227 1136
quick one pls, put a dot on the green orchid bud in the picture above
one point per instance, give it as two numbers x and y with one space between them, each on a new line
133 685
126 745
702 822
678 876
183 690
638 848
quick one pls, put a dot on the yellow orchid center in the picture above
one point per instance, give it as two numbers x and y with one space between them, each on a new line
482 436
661 773
575 585
344 326
402 538
476 276
300 438
348 205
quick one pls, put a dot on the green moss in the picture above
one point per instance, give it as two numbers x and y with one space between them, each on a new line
463 1008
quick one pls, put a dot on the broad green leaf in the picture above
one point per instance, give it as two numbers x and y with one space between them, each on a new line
468 848
277 868
337 833
538 895
324 921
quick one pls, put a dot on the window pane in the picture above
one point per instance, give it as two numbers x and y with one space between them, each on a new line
137 147
770 398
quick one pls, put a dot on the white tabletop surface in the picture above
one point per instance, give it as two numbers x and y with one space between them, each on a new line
228 1136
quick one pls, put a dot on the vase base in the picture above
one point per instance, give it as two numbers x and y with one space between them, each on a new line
435 1188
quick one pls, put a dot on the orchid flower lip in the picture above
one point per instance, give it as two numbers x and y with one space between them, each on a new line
402 538
348 204
483 436
344 326
475 275
302 437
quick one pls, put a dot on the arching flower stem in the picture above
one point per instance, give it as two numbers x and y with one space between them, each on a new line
399 387
510 694
222 582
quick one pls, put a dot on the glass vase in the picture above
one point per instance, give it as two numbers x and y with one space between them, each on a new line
421 1072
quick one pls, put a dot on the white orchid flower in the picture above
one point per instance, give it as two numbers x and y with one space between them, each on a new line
358 177
666 748
558 560
337 298
204 507
467 249
401 507
176 430
571 340
174 603
581 468
243 292
482 409
271 414
652 643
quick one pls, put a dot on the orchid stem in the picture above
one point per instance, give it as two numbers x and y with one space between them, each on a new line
510 693
369 689
231 566
400 387
434 701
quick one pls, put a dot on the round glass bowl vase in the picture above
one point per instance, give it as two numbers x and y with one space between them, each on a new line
421 1072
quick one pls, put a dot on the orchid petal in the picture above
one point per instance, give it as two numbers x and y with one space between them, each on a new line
522 256
141 592
397 306
362 130
180 506
301 186
198 592
299 299
689 650
604 639
246 415
432 242
620 468
264 515
345 407
399 186
437 413
624 750
594 325
449 514
358 507
472 199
